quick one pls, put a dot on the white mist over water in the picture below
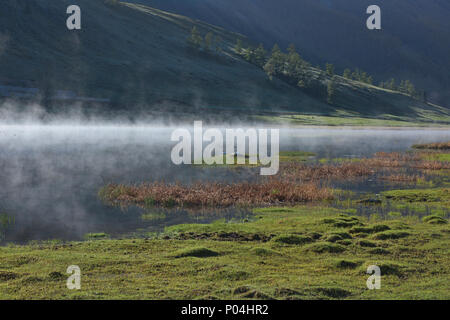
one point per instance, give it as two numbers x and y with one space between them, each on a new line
51 174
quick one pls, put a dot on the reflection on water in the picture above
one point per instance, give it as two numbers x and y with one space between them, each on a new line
50 175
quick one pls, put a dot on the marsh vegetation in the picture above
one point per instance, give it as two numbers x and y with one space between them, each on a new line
308 233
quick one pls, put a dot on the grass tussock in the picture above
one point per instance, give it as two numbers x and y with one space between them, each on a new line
391 234
196 252
292 239
238 269
435 219
325 247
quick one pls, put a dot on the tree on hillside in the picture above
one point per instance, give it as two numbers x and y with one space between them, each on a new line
391 85
331 90
260 55
363 77
410 89
195 40
356 75
208 41
296 66
218 44
347 74
250 55
275 64
330 69
238 46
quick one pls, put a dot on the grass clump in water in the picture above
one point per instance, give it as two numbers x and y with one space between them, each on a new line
96 236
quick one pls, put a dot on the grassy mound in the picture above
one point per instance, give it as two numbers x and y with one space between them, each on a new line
292 239
196 252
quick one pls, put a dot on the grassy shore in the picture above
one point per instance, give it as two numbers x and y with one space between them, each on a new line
284 253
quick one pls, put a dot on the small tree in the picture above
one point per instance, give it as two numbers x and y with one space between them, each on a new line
208 41
195 40
301 84
363 77
410 89
330 69
356 75
391 85
347 74
331 90
260 55
218 44
238 46
250 55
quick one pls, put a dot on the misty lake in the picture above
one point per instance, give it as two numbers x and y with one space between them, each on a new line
50 175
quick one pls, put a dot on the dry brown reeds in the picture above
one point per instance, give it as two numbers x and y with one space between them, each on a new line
268 192
346 170
433 146
402 178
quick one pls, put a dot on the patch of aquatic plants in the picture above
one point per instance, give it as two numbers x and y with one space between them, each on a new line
433 146
305 172
270 191
440 195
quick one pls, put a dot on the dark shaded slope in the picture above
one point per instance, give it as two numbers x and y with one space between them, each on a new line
138 58
135 56
414 43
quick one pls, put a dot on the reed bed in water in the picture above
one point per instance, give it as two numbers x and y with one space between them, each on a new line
295 183
404 160
402 178
302 172
268 192
433 146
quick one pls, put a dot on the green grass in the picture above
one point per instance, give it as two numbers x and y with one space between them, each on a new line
353 120
434 195
415 267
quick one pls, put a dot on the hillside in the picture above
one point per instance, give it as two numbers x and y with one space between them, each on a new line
138 58
414 43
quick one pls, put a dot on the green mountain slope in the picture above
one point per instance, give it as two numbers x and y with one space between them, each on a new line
414 42
138 57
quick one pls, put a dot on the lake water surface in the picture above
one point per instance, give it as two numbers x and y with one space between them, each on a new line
50 175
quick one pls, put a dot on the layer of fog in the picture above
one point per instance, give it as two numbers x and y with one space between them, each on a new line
51 169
